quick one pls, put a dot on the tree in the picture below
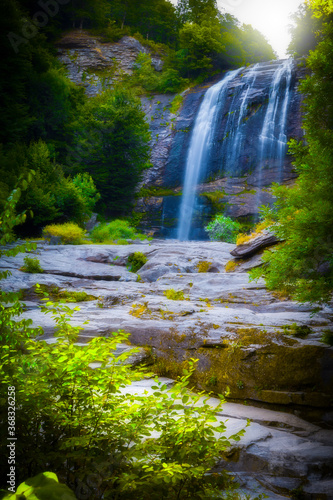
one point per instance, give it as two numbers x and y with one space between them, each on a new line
199 47
196 11
51 196
303 32
302 265
256 46
111 144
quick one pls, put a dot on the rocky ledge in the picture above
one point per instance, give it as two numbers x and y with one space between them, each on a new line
251 345
96 64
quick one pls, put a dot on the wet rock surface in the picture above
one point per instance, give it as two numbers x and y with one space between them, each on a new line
239 184
261 349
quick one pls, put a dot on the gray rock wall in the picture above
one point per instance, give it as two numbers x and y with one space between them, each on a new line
236 189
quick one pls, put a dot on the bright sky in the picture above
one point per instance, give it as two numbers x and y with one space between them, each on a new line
270 17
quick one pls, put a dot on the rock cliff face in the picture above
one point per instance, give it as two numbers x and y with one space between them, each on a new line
95 64
233 183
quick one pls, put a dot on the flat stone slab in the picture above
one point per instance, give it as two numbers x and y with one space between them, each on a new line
278 453
248 342
244 337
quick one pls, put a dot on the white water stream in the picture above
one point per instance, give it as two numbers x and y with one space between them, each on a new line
198 150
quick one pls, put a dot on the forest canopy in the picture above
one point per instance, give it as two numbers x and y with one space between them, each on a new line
46 120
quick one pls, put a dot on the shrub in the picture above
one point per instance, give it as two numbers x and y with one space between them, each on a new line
31 266
137 260
63 295
327 337
69 233
81 422
223 228
117 230
44 485
176 103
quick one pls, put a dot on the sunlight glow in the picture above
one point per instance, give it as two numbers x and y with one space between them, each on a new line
270 17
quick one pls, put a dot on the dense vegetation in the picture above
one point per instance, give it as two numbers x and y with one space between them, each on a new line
87 151
302 266
82 422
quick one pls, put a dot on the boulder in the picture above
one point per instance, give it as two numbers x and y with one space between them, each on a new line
254 245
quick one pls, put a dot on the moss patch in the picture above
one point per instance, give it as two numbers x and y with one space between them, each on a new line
58 295
203 266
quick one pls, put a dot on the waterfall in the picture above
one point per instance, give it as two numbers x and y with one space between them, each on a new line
273 139
199 150
250 79
237 147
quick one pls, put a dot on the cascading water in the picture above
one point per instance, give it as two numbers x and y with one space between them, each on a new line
199 150
236 149
273 139
235 126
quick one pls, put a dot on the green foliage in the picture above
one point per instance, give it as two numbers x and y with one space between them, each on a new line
327 337
69 233
31 265
52 196
137 260
303 31
85 185
174 294
81 421
203 266
112 142
176 103
44 486
198 46
144 76
154 19
114 231
58 295
223 228
303 265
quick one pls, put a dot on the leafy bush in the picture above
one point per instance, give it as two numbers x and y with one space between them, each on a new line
31 266
176 103
117 230
223 228
137 260
44 486
203 266
327 337
69 233
52 197
82 423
